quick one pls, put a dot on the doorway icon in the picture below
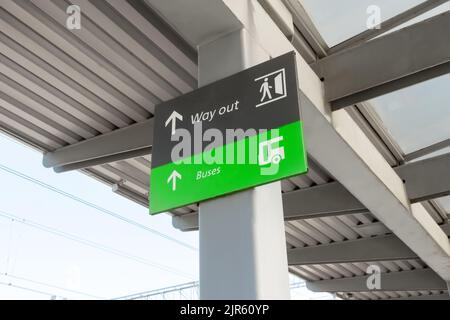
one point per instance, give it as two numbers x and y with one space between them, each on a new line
272 87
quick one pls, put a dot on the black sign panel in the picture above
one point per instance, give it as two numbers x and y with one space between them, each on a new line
255 98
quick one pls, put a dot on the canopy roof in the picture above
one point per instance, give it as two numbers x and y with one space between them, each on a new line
60 87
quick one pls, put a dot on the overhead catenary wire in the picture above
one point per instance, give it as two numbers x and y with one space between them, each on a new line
36 282
8 256
94 206
93 244
11 285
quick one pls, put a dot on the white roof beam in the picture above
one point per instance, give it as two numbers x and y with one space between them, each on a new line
129 142
426 179
415 280
384 248
442 296
386 64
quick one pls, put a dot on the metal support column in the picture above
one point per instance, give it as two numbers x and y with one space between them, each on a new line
242 239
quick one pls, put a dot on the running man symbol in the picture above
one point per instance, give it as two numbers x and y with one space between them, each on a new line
265 89
272 87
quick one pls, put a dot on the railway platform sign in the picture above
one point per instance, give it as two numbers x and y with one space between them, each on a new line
236 133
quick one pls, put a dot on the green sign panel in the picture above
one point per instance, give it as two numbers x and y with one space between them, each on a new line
234 134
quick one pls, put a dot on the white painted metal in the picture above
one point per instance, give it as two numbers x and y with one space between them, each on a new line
242 241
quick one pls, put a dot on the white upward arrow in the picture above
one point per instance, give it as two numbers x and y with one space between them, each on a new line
173 118
174 175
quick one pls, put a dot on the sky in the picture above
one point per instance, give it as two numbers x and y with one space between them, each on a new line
104 257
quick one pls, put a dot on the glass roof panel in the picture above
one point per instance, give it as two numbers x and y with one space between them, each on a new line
417 116
445 203
433 12
339 20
